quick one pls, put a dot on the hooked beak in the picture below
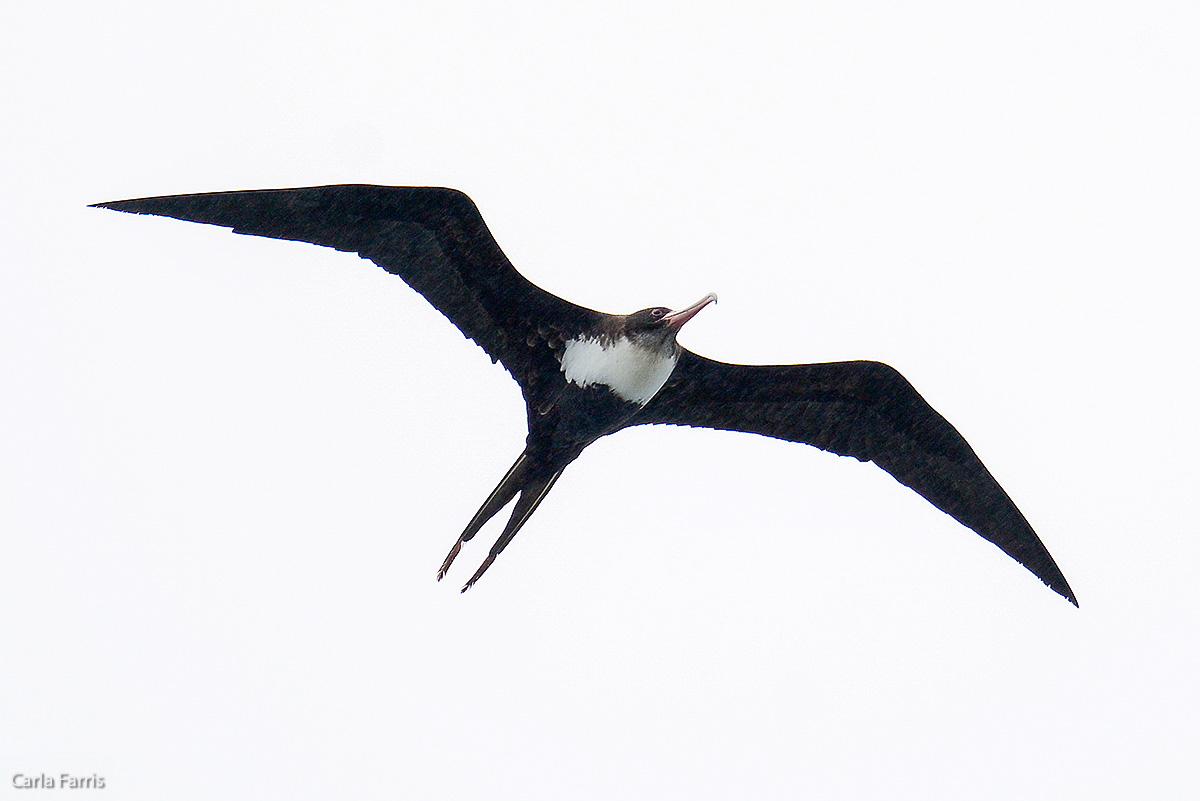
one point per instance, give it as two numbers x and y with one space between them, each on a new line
676 319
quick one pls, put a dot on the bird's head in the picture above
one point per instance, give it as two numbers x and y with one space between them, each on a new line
659 325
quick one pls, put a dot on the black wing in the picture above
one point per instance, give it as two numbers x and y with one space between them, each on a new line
433 238
862 409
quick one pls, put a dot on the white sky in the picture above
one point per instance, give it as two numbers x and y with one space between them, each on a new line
232 466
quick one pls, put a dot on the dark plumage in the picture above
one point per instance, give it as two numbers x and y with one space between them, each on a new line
585 374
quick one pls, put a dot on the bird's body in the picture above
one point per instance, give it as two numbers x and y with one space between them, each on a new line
585 374
607 374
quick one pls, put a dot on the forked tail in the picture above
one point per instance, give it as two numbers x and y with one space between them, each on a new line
532 488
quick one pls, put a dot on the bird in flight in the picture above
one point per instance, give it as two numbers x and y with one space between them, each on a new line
585 374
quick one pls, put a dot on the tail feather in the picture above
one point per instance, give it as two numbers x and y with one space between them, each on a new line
504 492
531 495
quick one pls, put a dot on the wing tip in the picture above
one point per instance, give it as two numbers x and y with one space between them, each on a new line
1058 582
1067 593
128 206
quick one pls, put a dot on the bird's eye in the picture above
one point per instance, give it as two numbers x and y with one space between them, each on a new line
658 312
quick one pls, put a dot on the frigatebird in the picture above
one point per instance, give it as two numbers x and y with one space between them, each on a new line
585 374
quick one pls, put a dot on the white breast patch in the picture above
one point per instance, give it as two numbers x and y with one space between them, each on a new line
634 373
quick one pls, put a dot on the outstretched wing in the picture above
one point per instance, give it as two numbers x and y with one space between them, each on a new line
433 238
862 409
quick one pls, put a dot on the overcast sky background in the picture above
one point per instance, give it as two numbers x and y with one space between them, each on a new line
232 466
